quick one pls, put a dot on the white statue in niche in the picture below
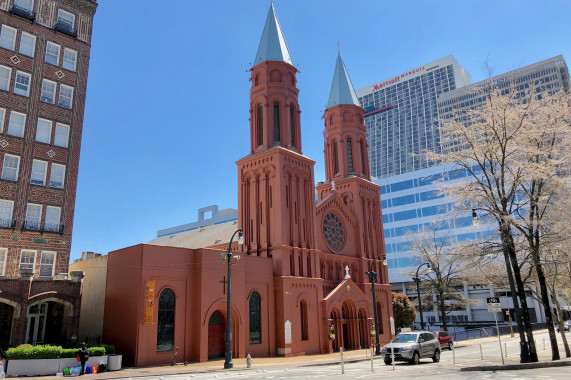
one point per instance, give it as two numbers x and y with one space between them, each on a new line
347 276
287 332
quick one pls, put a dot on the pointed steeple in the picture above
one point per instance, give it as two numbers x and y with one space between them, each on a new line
273 46
342 91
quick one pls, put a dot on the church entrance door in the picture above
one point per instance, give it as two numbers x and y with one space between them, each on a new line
346 344
216 329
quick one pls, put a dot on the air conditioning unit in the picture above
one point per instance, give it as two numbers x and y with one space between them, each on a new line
60 276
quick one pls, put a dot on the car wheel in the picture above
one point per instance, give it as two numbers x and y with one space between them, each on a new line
388 362
450 344
436 357
415 358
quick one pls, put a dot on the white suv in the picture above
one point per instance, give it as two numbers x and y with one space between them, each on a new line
412 346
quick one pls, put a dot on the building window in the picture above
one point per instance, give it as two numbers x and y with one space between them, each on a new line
69 59
6 209
16 124
10 167
22 85
66 20
52 222
27 259
39 170
291 124
26 4
336 155
44 131
276 122
349 155
33 216
260 125
61 135
65 96
255 319
52 53
48 94
165 326
303 324
362 157
57 176
2 118
7 37
5 74
52 218
3 257
27 44
47 264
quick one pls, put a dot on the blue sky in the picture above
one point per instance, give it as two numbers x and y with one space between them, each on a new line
168 93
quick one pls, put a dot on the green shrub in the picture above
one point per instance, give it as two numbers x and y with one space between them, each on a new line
109 349
69 353
97 351
25 346
37 352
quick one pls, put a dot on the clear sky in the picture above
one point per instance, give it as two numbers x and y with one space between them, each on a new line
168 93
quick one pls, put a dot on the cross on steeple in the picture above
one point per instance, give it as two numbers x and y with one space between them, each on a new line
338 47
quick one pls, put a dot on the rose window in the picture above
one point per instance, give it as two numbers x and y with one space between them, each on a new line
333 232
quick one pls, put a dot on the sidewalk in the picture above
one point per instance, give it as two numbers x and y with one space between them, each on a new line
311 360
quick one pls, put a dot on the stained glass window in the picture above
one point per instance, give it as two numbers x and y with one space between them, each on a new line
165 329
333 232
255 319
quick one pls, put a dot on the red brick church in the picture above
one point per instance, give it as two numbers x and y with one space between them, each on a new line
302 270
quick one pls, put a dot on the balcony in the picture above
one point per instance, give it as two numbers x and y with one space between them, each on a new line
7 223
66 28
29 225
23 12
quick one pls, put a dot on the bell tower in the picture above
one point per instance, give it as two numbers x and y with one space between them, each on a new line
276 184
347 170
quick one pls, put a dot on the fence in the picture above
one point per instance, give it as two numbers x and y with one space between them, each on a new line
491 331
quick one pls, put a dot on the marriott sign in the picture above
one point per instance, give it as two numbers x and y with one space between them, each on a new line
397 79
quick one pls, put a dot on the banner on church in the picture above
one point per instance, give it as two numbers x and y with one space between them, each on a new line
149 301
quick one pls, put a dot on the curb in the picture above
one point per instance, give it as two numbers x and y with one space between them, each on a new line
507 367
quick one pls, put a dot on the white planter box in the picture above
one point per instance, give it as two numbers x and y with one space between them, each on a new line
72 362
96 360
114 362
33 367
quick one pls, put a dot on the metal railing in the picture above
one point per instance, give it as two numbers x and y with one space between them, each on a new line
483 332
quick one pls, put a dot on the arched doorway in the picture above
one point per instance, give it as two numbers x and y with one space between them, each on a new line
364 330
216 329
336 319
6 318
46 323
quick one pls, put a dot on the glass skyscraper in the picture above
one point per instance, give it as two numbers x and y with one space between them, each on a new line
402 116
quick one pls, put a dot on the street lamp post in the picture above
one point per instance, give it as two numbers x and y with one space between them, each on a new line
228 258
417 280
372 276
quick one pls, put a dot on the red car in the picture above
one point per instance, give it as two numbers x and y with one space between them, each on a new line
444 338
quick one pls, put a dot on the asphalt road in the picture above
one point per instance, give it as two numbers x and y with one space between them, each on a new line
466 354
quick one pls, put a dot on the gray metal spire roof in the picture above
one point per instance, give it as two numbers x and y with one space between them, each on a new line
272 45
342 91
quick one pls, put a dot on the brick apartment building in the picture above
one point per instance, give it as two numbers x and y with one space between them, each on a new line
44 57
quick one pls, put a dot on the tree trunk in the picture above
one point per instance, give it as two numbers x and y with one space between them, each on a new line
534 250
508 247
442 307
560 321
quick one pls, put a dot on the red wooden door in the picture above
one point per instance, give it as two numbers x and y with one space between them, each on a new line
216 329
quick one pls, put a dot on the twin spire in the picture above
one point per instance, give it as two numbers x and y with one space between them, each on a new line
273 47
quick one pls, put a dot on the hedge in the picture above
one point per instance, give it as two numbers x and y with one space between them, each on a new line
36 352
109 349
27 351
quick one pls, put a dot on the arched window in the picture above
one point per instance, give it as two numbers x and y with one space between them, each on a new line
165 327
303 324
291 124
349 155
260 125
255 319
362 158
336 155
276 122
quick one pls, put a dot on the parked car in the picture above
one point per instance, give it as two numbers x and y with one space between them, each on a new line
566 326
412 346
444 338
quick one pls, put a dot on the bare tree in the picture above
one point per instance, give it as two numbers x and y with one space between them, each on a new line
501 146
433 245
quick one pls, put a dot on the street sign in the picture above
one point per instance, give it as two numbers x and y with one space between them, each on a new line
493 304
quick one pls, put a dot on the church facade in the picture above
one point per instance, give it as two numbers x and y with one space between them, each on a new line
300 286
